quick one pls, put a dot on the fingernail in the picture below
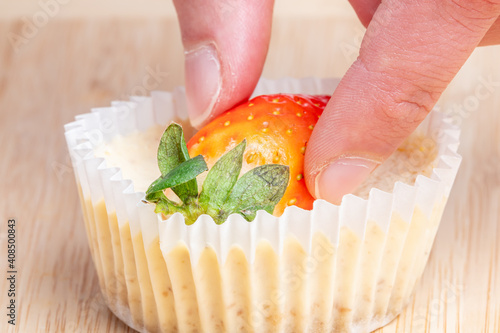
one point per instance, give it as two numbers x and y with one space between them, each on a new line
341 177
203 82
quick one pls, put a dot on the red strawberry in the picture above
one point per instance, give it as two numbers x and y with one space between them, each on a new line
276 128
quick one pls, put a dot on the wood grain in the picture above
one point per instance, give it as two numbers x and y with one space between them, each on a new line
75 62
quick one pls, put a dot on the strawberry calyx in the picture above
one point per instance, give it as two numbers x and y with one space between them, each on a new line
223 192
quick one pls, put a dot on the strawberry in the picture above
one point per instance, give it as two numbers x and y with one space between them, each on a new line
222 193
276 127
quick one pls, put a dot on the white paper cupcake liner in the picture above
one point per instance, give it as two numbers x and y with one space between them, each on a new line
347 268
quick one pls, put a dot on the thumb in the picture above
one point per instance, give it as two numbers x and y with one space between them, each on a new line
225 45
410 52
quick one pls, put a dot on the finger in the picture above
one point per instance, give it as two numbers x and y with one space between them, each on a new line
225 45
492 37
366 8
410 52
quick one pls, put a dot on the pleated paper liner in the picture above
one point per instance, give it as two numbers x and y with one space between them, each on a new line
347 268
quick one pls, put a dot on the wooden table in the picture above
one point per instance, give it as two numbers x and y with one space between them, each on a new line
89 53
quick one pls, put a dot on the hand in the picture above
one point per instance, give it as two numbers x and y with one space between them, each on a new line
225 44
410 53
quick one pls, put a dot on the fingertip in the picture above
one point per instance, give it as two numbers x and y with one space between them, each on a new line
203 82
340 177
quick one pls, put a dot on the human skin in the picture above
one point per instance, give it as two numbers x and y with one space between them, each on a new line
409 54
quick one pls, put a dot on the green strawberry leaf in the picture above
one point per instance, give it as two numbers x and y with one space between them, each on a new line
184 172
221 179
260 188
172 151
222 193
163 204
155 197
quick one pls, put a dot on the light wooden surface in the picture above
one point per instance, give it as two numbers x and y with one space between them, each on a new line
87 56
